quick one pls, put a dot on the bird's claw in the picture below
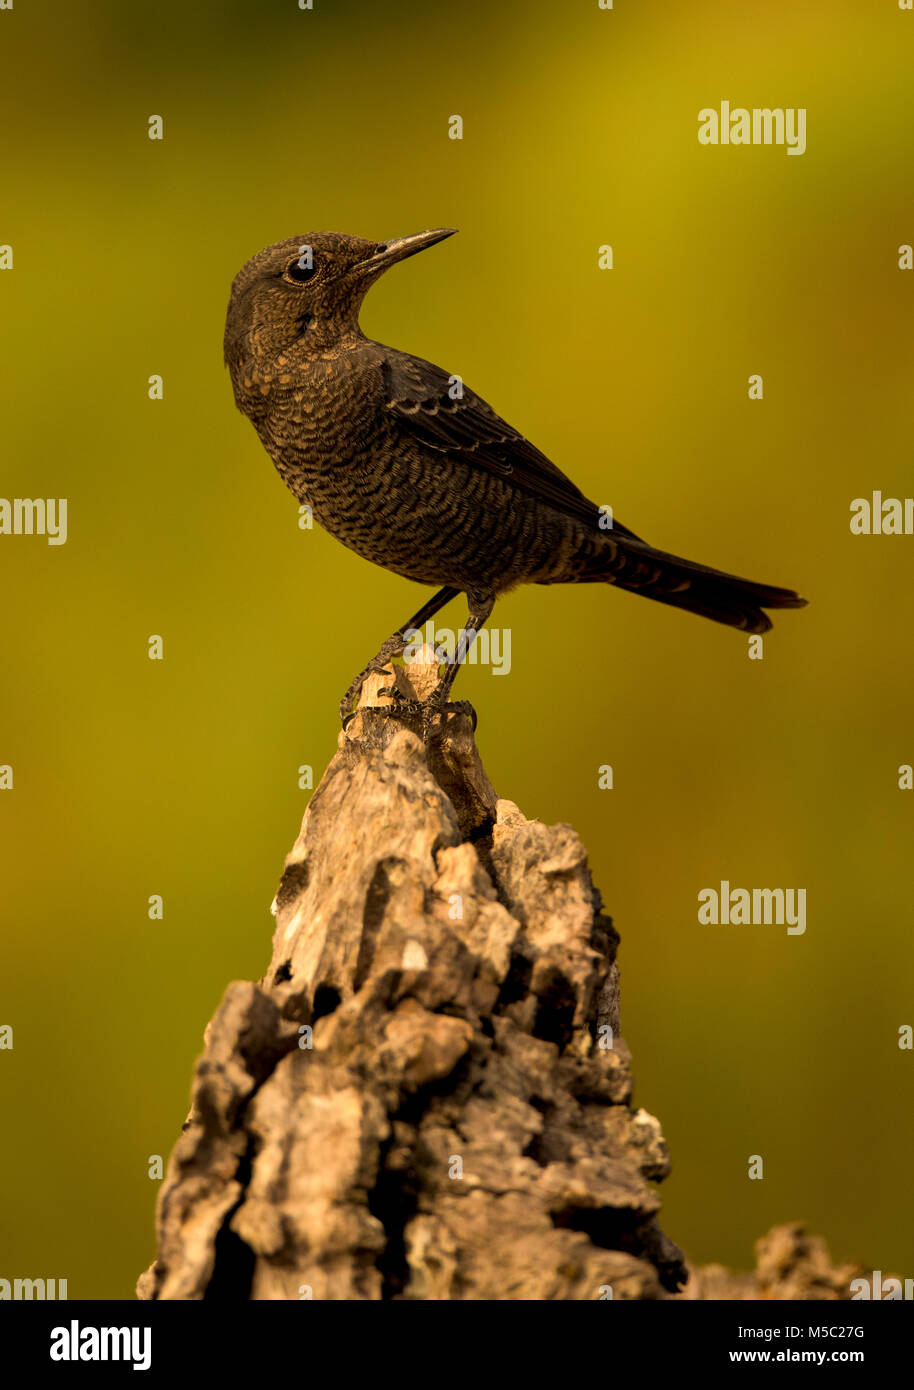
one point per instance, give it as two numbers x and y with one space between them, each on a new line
402 708
401 705
431 708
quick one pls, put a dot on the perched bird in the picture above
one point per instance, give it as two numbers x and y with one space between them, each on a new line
413 470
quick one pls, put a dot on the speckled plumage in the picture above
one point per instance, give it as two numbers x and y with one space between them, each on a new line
409 467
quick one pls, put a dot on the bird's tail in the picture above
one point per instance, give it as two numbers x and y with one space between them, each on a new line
726 598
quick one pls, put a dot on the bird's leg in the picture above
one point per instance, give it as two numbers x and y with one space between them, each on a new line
394 646
481 606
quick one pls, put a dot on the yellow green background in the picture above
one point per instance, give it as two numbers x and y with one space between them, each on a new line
180 777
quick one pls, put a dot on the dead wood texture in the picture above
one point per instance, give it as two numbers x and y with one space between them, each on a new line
420 1100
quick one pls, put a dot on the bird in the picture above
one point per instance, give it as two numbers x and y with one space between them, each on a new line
402 462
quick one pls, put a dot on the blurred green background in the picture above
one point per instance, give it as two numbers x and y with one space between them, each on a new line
179 777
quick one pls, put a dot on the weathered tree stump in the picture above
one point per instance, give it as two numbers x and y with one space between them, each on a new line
427 1095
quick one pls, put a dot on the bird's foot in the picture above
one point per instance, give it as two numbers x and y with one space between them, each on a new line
432 707
426 710
400 707
348 709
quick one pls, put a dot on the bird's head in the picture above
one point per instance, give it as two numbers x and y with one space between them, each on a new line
309 288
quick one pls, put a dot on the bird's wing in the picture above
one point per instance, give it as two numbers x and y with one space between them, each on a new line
443 414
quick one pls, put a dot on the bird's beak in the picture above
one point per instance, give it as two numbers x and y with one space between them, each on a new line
398 250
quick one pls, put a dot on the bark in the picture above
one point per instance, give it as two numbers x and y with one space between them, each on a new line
427 1095
791 1266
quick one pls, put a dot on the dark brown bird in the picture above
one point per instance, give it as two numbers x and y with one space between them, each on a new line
411 469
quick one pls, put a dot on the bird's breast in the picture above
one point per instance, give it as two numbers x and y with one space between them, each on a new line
320 424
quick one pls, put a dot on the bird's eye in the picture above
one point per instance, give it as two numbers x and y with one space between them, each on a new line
300 272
